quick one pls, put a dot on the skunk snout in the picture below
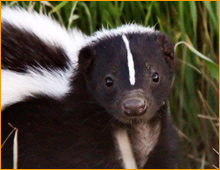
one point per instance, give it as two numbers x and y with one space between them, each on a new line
134 103
134 107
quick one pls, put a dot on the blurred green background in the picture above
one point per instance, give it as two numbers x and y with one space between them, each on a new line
194 102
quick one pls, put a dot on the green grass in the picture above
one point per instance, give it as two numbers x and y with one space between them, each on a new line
194 101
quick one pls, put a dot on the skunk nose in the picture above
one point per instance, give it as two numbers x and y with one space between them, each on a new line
134 107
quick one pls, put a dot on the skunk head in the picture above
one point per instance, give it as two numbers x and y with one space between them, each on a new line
129 71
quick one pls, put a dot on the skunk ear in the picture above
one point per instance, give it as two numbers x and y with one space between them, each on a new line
86 56
167 49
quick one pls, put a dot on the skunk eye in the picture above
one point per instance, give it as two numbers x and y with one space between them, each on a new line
108 81
155 77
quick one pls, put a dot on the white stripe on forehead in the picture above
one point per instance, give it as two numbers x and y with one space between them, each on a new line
130 61
123 29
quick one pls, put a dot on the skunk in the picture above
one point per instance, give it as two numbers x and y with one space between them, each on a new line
68 95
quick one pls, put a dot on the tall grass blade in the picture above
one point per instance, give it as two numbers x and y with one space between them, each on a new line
213 67
59 6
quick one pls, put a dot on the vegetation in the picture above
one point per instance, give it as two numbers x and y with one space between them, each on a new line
194 102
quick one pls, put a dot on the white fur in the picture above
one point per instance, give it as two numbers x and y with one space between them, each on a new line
17 86
136 143
124 29
130 61
46 29
143 138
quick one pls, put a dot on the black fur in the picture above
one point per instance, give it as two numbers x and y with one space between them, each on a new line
165 154
22 49
76 132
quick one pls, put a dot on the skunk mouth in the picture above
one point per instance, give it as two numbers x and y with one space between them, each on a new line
120 118
131 120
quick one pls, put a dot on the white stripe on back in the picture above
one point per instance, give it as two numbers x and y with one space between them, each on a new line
130 61
15 87
46 29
